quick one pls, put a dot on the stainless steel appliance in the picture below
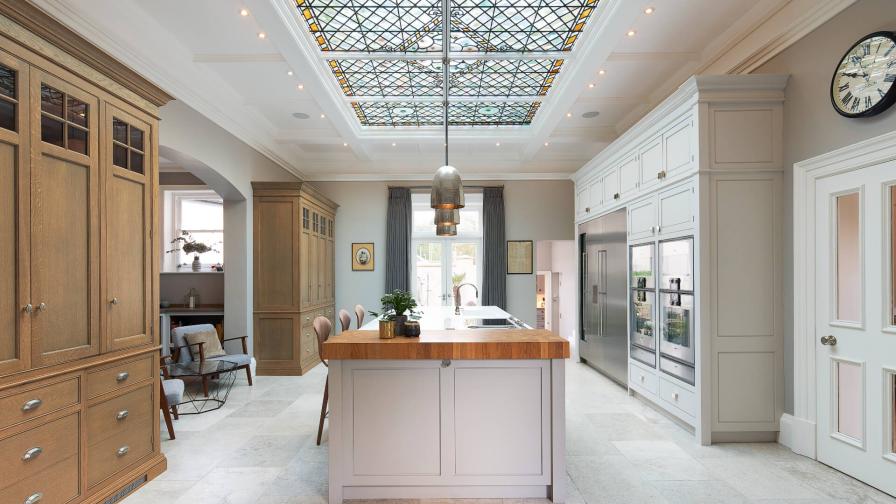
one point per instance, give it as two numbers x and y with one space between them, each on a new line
676 288
604 295
642 322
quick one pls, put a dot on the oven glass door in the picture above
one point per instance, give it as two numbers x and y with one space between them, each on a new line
677 319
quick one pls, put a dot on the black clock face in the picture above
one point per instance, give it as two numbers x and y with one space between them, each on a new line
863 82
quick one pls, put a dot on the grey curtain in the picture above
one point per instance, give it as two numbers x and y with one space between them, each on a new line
398 239
494 261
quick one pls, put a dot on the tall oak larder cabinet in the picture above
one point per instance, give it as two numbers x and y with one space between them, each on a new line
294 229
79 376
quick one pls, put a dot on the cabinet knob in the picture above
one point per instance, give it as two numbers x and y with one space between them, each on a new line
28 308
34 498
120 377
32 453
642 378
122 415
446 363
616 196
32 405
829 340
114 301
587 209
123 451
675 396
42 307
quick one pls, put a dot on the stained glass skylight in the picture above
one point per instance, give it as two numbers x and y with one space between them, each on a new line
505 55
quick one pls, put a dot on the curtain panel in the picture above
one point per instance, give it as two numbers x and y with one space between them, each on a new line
494 261
398 239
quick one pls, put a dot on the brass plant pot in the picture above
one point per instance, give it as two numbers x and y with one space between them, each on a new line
387 329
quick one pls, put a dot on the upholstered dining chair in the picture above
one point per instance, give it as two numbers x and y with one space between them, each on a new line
172 393
187 352
322 328
359 314
345 320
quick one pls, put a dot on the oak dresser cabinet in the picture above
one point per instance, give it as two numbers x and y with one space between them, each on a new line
294 274
79 378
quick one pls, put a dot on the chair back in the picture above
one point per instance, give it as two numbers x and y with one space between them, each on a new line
345 320
322 328
179 339
359 314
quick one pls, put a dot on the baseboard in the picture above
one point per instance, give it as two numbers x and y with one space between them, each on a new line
798 434
446 492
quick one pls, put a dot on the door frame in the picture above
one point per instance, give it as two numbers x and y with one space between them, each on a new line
799 430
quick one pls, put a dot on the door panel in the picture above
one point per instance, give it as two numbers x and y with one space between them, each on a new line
15 326
855 340
276 274
65 221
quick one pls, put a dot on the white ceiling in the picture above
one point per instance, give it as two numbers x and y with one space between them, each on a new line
208 55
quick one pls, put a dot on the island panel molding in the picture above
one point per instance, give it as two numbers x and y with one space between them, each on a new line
470 344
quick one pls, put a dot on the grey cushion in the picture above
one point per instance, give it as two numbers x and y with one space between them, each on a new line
174 391
178 335
238 359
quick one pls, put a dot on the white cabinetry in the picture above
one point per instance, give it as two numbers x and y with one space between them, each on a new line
707 164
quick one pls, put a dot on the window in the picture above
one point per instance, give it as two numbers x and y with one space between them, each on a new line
200 213
441 262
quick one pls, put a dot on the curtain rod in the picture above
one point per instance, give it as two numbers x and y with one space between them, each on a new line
430 187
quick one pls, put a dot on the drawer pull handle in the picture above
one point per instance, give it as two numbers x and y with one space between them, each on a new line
616 196
32 453
675 396
123 451
661 175
32 405
122 376
642 378
122 415
34 498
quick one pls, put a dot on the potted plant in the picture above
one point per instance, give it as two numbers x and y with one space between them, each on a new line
190 246
397 307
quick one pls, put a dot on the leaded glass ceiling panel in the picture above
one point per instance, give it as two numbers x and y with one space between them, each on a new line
502 52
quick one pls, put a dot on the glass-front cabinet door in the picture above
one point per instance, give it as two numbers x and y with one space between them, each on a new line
677 299
643 304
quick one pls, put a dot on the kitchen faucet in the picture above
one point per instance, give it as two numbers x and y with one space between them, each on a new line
457 296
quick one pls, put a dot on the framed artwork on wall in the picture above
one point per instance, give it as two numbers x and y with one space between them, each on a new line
519 257
362 256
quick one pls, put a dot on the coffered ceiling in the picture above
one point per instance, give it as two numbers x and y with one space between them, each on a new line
351 89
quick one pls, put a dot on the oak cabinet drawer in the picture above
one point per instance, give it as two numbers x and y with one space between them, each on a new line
118 376
116 415
38 400
28 453
679 397
56 484
119 451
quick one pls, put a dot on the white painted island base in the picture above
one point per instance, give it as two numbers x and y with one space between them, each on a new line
446 429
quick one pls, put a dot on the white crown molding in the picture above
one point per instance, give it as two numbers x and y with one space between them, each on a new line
179 79
468 177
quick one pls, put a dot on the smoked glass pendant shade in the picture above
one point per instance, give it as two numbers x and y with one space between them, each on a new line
446 230
447 189
446 217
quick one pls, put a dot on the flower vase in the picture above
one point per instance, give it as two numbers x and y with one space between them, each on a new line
196 264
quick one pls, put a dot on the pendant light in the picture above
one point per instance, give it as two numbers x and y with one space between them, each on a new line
447 187
446 217
446 230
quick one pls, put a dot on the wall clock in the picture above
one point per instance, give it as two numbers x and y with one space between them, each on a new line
862 85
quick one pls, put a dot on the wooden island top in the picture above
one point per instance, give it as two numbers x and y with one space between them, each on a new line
459 344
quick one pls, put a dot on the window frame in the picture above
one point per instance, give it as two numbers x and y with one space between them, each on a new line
173 197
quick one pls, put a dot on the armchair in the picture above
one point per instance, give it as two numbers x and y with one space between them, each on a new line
195 352
171 394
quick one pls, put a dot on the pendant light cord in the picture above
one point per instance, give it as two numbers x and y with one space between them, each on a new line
446 45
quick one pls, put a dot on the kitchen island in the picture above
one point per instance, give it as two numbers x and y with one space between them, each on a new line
456 413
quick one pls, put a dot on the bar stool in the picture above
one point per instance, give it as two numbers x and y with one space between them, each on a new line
345 320
322 328
359 314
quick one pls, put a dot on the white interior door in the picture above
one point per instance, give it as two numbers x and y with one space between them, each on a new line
439 264
855 326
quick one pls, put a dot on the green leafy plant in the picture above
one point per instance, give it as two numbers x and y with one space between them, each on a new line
186 243
398 302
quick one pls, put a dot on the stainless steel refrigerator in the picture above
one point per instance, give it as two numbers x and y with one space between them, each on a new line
603 330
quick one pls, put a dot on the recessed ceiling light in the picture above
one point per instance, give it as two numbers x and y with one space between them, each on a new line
393 144
569 114
300 115
547 143
244 12
289 72
602 72
497 144
591 85
322 116
591 114
301 87
649 10
631 33
344 144
262 35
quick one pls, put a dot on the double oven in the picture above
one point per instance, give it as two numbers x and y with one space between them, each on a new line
662 313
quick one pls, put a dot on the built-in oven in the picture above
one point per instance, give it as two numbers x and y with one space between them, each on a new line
642 321
677 316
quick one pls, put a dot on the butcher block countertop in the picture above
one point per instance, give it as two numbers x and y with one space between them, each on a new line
459 344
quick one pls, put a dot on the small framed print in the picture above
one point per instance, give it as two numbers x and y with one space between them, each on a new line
519 257
362 257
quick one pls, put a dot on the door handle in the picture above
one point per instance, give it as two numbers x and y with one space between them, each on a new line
829 340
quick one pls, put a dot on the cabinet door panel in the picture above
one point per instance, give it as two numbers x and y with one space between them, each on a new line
15 327
676 210
678 146
64 230
610 186
276 243
651 163
628 176
642 218
581 199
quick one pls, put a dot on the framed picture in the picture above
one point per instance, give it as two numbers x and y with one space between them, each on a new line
362 257
519 257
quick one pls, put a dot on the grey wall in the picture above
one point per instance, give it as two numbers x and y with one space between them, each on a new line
535 210
812 127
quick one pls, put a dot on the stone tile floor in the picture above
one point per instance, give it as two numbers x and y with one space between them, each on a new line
260 448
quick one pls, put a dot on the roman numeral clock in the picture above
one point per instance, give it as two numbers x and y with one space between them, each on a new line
862 85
